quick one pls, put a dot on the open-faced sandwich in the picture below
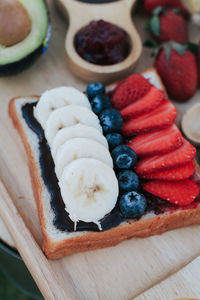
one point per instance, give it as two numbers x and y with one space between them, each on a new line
108 165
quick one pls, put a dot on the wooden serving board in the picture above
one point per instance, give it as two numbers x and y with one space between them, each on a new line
120 273
5 236
184 283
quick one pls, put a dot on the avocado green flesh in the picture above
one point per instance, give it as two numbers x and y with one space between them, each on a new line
39 24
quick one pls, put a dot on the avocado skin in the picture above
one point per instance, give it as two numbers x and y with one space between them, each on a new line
21 65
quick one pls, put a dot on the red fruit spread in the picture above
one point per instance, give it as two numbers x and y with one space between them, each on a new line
160 206
102 43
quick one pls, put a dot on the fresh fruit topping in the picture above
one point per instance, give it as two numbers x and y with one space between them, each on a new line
132 204
177 67
68 116
159 118
99 103
129 90
158 142
120 82
124 157
150 5
184 154
167 25
114 139
181 192
173 174
94 89
76 131
111 120
56 98
89 190
128 181
145 104
80 148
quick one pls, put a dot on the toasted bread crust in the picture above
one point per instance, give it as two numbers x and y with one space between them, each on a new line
96 240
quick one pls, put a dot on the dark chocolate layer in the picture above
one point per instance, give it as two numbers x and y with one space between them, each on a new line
61 220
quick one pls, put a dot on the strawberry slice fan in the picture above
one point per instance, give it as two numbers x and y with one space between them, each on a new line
166 159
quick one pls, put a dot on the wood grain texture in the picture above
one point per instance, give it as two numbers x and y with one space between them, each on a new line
184 283
31 253
122 272
5 236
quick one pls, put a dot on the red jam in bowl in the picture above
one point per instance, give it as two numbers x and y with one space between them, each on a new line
102 43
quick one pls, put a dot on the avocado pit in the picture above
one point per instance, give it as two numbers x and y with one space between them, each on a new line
15 23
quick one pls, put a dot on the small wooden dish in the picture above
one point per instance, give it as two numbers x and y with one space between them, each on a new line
117 13
191 124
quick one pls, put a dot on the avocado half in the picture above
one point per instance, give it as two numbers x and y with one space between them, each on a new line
17 57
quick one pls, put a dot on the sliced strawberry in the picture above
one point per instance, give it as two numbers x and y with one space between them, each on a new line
159 118
143 105
129 90
181 192
173 174
185 153
157 142
119 83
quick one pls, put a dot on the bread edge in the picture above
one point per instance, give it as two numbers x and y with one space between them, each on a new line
96 240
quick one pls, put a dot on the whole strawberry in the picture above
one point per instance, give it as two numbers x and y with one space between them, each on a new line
168 25
178 69
150 5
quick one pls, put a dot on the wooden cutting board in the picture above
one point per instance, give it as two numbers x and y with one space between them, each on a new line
5 236
122 272
180 285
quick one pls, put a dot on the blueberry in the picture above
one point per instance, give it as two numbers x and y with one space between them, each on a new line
111 120
114 139
132 204
94 89
99 103
124 157
128 180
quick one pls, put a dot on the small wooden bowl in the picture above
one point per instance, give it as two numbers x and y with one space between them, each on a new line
191 124
118 13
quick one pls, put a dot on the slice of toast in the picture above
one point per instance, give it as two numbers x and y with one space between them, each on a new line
57 243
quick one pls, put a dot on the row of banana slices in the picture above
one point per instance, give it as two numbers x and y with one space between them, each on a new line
83 163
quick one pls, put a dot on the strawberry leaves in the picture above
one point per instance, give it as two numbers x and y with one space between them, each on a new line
153 25
167 25
169 46
194 48
179 48
150 44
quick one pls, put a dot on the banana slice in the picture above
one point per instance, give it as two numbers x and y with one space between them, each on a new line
77 131
80 148
56 98
89 189
68 116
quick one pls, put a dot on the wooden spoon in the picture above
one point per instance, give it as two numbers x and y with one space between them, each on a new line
117 13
